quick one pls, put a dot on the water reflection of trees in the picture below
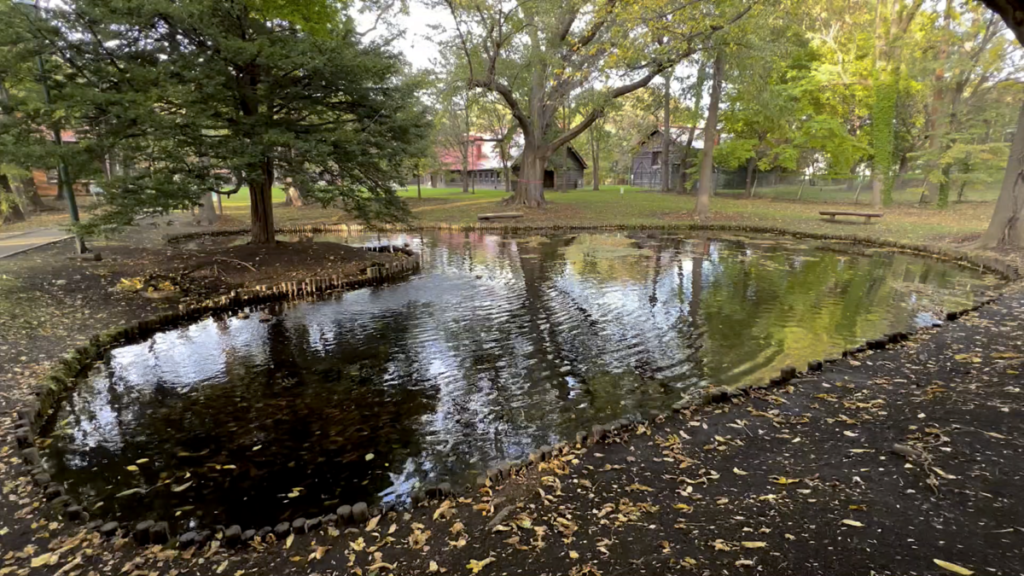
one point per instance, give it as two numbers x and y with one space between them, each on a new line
299 420
503 344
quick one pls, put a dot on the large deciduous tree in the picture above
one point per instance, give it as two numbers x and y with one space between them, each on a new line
536 55
193 93
1007 225
706 185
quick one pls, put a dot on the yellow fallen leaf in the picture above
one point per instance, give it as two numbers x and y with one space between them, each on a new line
380 565
373 522
953 567
48 558
738 472
182 487
753 544
288 541
478 565
222 567
849 522
683 507
133 468
142 461
783 480
573 554
433 566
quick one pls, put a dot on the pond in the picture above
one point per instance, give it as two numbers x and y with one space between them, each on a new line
501 344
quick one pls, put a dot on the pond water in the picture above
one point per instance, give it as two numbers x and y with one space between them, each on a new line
500 345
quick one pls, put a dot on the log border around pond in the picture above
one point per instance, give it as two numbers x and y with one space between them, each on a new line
62 378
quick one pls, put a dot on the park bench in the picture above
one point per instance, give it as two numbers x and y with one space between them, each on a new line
499 216
867 216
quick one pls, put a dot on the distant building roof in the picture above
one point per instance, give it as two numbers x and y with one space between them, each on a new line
572 151
679 134
483 155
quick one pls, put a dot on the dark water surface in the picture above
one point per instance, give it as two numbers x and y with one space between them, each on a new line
501 345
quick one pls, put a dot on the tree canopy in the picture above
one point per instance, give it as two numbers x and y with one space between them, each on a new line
199 95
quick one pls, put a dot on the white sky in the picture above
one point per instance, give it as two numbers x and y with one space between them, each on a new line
417 45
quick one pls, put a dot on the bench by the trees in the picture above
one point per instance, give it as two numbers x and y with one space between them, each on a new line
867 216
499 216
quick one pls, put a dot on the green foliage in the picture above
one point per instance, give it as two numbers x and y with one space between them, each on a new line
190 94
883 133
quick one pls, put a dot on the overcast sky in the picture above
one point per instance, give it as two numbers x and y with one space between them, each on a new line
417 45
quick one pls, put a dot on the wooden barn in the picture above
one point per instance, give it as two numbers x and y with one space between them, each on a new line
564 171
649 161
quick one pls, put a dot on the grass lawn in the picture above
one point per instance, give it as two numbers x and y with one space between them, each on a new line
904 220
241 198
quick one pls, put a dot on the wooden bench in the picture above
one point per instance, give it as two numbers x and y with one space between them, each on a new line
867 216
499 216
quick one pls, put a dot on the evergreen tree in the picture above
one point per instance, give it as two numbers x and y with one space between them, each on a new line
192 94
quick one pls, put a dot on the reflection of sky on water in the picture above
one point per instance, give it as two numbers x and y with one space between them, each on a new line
499 346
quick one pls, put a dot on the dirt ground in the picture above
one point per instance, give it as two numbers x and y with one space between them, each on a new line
805 479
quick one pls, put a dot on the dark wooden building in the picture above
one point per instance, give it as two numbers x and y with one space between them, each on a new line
564 171
649 161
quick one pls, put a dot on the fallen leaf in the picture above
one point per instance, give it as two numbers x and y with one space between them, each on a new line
373 522
182 487
288 541
953 567
738 472
48 558
849 522
433 566
478 565
753 544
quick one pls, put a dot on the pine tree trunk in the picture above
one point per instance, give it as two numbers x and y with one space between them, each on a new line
707 164
261 204
530 190
12 211
419 190
595 157
751 167
1007 226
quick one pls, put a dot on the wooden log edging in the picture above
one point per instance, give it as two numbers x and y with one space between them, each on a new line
63 377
